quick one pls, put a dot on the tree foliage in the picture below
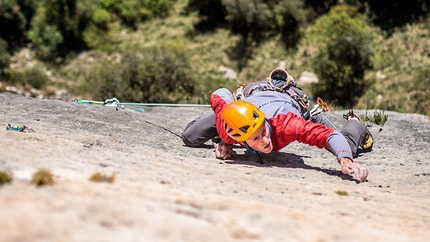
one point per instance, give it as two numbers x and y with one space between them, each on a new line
401 71
132 12
4 58
97 34
212 14
259 20
160 73
396 13
58 26
15 18
338 39
61 26
420 95
343 45
32 77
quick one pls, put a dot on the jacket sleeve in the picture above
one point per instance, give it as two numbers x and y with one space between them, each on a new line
290 127
219 99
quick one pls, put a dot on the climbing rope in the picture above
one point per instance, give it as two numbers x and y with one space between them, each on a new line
114 102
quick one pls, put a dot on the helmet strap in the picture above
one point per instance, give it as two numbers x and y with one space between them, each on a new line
251 150
270 127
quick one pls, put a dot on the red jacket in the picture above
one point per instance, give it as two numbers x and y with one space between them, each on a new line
288 127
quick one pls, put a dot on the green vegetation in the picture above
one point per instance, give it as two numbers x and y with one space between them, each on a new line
178 50
5 177
34 77
98 177
342 193
401 75
42 177
4 58
343 48
379 117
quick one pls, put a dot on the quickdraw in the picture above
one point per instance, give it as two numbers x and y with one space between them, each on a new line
238 94
20 128
321 106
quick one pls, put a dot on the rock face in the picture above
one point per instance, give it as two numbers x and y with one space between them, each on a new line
164 191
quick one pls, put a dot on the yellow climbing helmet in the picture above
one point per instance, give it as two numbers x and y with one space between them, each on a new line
241 120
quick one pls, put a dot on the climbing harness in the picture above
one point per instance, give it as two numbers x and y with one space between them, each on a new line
294 92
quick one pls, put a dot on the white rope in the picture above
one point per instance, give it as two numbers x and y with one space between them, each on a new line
116 103
166 104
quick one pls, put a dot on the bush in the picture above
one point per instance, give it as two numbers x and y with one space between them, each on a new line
4 57
401 72
397 13
42 177
5 177
34 77
129 11
57 26
98 177
158 8
97 34
97 37
101 18
159 73
428 112
257 21
44 35
379 117
343 51
15 17
421 90
212 14
342 193
249 16
133 12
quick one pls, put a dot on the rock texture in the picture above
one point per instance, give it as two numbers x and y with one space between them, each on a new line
164 191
